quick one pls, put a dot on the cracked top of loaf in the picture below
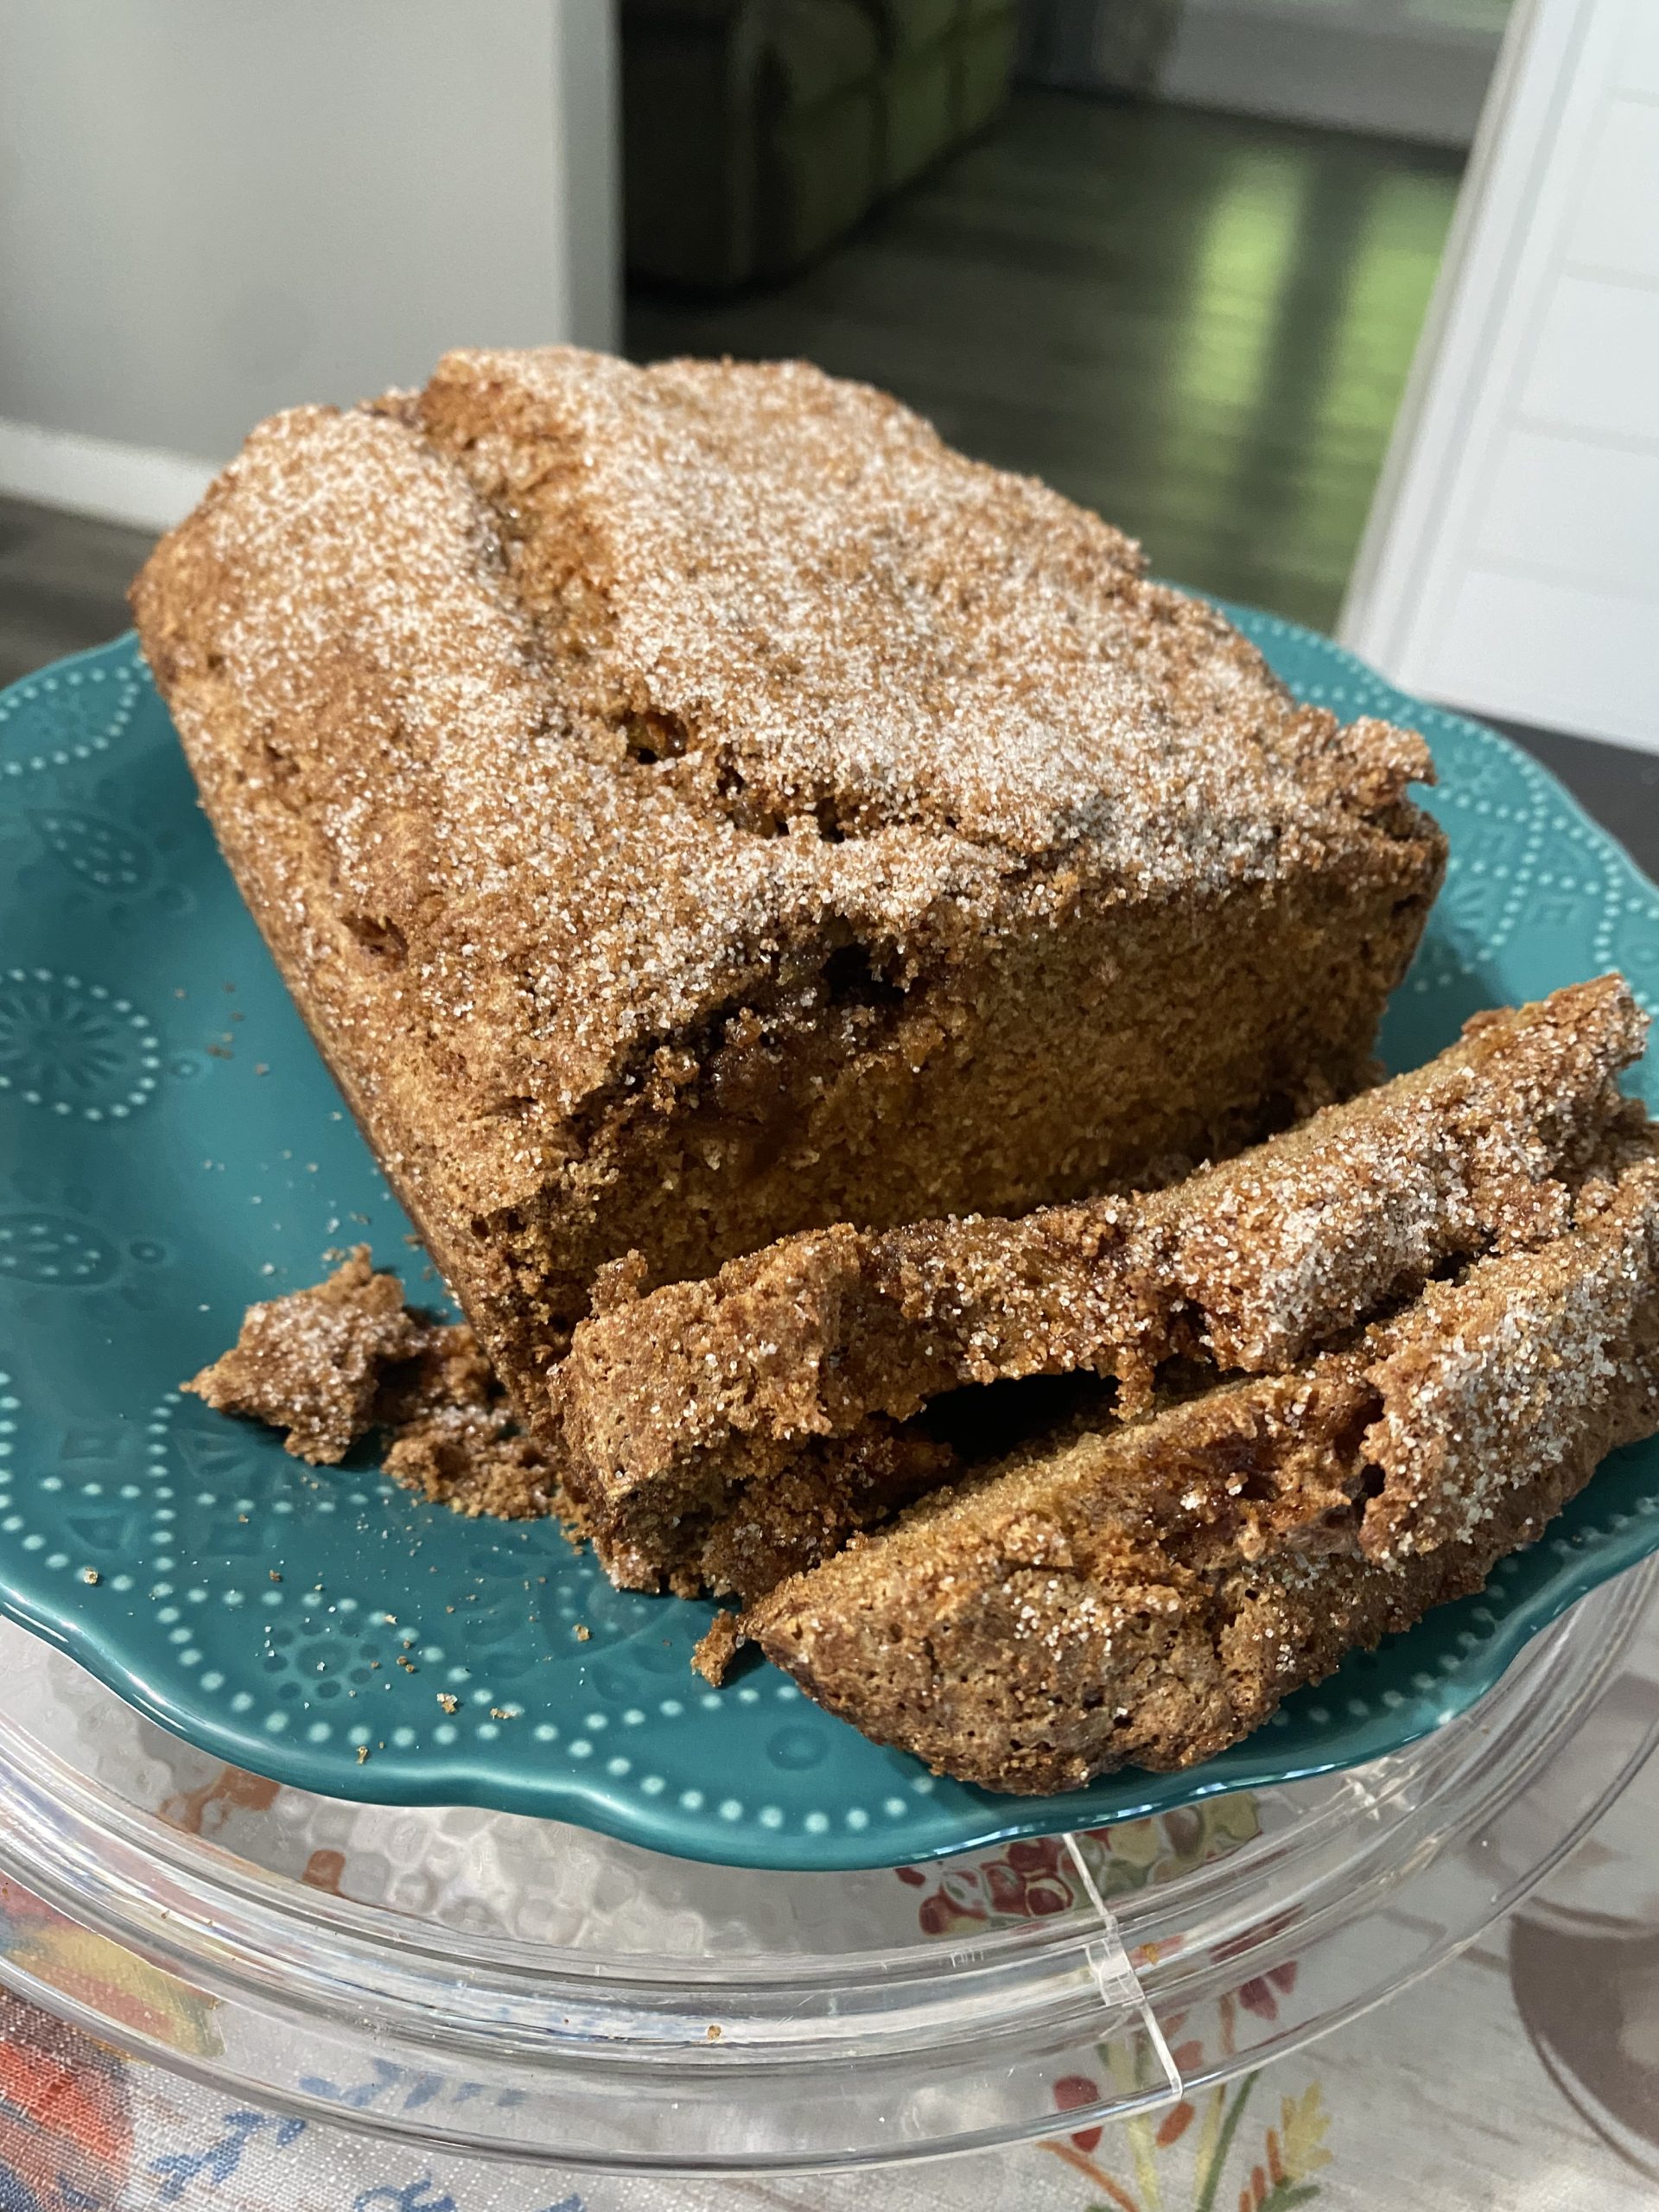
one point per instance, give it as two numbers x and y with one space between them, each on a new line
566 705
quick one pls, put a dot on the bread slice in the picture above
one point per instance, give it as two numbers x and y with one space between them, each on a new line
725 1430
691 804
1150 1594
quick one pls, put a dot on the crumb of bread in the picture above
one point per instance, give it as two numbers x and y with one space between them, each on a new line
312 1362
474 1459
717 1648
333 1363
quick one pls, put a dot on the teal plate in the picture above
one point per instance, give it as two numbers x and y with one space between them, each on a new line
171 1148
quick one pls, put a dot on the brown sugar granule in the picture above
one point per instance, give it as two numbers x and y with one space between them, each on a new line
1149 1594
723 1433
692 805
716 1648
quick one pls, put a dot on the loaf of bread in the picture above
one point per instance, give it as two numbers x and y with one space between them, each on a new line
1149 1593
725 1432
692 805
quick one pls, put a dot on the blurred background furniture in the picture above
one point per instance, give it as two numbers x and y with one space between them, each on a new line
757 132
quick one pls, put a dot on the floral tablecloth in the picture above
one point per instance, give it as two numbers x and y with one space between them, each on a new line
1521 2077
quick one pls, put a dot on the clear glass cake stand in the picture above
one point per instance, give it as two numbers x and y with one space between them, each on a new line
513 1988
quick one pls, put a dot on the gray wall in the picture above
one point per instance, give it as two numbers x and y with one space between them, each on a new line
212 208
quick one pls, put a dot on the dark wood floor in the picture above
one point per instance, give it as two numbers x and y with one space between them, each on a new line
63 582
1198 324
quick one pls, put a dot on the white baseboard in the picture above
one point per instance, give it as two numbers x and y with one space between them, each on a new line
96 476
1377 69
